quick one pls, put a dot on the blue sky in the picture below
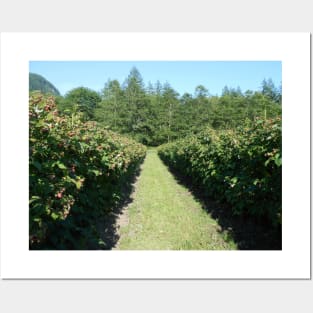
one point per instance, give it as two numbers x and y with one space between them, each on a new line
183 76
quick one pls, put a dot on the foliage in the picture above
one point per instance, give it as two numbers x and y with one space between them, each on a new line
39 83
270 91
76 174
242 166
82 100
156 113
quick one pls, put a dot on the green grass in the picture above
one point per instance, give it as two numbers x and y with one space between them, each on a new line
165 216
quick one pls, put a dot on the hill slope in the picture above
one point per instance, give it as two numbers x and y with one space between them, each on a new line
38 82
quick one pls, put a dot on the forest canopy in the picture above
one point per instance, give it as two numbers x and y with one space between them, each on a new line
154 113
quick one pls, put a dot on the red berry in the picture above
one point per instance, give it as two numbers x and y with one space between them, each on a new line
59 195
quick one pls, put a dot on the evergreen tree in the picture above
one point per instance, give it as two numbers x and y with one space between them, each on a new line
155 114
109 111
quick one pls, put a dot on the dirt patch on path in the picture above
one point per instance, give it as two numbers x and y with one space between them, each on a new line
121 221
108 227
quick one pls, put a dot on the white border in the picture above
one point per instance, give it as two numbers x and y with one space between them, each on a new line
293 49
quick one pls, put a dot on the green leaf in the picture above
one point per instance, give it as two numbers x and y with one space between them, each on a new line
256 181
96 172
33 199
37 165
54 216
61 165
101 243
278 161
234 180
104 159
78 184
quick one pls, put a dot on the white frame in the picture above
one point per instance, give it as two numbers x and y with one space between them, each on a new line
293 49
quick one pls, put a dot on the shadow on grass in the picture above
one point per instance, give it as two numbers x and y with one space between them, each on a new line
247 233
108 226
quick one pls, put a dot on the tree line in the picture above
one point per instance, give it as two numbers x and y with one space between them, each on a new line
155 113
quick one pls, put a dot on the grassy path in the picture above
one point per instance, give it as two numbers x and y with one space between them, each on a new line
164 215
